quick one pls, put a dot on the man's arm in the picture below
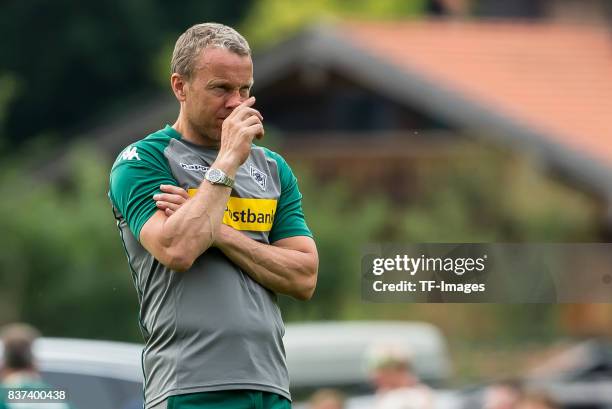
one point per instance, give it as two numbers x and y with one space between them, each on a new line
288 266
178 240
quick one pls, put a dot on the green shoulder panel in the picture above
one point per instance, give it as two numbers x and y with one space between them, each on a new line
135 178
289 218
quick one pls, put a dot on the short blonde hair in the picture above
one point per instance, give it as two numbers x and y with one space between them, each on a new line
387 356
326 395
201 36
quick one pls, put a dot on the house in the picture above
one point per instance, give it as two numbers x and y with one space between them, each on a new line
544 88
402 90
583 11
392 92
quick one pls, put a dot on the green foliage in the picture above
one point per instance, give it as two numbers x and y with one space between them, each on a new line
341 227
492 196
74 59
62 267
271 20
484 196
8 89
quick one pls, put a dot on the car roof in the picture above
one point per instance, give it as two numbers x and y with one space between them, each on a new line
318 353
334 352
119 360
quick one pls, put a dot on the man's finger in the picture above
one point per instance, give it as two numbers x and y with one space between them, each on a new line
247 113
251 120
256 131
167 205
168 197
247 103
174 190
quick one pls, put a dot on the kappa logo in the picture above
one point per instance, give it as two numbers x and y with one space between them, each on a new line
195 167
259 177
130 153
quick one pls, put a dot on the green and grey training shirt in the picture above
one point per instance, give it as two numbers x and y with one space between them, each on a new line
212 327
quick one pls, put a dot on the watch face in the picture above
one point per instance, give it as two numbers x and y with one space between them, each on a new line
214 175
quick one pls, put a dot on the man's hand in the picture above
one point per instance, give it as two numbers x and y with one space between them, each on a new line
237 133
177 239
171 200
288 266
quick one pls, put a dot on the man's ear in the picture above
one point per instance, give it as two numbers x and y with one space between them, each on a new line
179 86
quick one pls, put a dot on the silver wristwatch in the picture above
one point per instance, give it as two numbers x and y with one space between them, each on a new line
218 177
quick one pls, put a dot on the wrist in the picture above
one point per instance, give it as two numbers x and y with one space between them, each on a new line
227 165
221 236
217 177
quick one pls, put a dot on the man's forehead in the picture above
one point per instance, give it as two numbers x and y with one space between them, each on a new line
218 60
226 80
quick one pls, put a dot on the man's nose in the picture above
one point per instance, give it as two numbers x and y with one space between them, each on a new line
234 99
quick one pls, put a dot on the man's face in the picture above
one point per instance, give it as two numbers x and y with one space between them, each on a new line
220 82
500 397
393 377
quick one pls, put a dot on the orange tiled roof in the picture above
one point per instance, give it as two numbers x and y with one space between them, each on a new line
553 78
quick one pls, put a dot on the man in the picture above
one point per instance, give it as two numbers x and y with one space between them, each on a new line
208 270
19 371
502 395
397 387
326 399
537 400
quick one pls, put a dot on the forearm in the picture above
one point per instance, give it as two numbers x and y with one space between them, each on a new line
177 237
282 270
192 229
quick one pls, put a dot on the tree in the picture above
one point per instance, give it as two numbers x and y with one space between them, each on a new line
270 21
73 60
62 267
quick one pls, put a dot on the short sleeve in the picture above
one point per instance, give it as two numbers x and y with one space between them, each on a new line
289 218
135 178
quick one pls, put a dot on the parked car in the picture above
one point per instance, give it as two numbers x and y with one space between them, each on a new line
108 374
332 354
95 374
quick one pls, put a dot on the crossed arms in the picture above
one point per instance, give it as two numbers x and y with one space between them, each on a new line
184 228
